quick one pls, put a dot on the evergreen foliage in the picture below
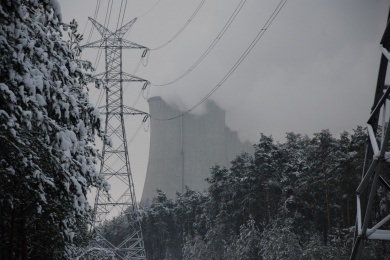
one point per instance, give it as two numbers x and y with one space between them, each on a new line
292 200
46 126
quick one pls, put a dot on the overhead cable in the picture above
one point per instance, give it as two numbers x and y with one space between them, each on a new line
135 134
151 9
212 45
143 88
235 66
107 21
97 7
182 28
119 16
99 54
123 16
146 129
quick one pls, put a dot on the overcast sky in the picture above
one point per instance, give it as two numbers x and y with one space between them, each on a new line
315 67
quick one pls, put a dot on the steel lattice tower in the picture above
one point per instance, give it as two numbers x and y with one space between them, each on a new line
376 162
115 164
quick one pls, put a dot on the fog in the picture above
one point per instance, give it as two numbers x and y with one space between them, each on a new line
314 68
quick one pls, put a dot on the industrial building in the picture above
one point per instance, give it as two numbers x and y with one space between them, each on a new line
183 150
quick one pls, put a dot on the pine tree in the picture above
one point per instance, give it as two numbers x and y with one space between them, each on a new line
46 126
278 241
288 201
247 245
268 159
322 160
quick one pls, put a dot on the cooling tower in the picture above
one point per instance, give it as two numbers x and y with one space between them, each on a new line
183 150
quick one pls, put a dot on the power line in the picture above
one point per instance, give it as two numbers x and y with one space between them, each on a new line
101 94
182 28
119 16
135 135
100 98
98 57
99 54
97 8
124 11
109 16
140 93
203 56
95 15
136 132
151 9
106 22
123 15
212 45
235 66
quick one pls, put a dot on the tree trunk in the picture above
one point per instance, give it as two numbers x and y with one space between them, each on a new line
23 226
327 205
268 204
12 236
348 212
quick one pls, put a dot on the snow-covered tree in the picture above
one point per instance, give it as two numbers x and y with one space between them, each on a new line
290 200
280 242
268 158
194 248
46 126
247 245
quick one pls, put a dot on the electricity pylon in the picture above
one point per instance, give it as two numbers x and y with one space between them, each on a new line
376 162
115 166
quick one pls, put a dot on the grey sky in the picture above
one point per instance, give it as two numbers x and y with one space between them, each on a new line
315 68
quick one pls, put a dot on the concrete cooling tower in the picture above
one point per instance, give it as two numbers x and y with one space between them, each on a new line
183 150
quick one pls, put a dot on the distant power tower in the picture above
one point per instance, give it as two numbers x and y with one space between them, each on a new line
115 164
374 185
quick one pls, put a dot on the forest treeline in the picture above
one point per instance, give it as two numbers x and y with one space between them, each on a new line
292 200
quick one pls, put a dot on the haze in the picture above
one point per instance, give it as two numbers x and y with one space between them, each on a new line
315 68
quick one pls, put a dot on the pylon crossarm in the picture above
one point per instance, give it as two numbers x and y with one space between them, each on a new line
132 45
130 77
101 29
130 110
110 43
96 44
123 30
126 77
